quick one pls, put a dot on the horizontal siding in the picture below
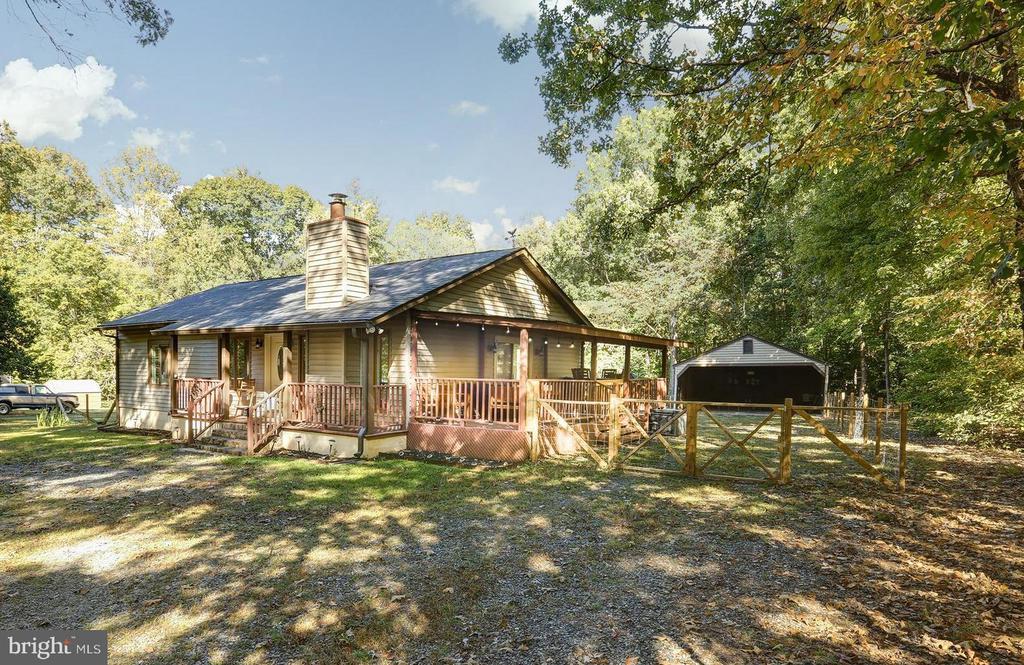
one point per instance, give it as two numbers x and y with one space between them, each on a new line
506 291
353 374
337 262
763 354
197 357
397 360
561 361
326 356
257 364
136 393
447 352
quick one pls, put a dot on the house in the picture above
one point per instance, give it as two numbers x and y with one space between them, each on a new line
351 359
750 370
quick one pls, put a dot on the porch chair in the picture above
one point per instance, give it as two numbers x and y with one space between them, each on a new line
581 373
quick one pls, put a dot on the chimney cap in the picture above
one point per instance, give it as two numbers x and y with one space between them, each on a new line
338 197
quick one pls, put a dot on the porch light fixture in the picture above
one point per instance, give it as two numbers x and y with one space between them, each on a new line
558 345
507 331
370 329
435 323
482 328
456 324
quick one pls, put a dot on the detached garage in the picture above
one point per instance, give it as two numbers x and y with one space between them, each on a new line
751 371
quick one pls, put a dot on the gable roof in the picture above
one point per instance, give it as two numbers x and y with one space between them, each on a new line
281 301
731 354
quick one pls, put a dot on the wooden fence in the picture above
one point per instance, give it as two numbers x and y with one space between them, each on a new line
622 433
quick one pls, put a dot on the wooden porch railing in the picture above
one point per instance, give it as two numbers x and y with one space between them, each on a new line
644 389
327 405
389 407
468 400
577 390
203 404
265 418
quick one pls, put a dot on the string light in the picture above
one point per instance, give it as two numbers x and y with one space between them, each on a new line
456 324
507 331
481 327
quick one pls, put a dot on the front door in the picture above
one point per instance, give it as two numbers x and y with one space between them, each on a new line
272 367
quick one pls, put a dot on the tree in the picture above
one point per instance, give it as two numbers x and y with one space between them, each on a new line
150 21
900 85
15 359
434 234
262 224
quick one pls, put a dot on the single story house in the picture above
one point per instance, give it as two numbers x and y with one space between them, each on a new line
750 370
351 359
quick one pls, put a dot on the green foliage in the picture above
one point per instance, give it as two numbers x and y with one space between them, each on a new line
50 418
262 223
435 234
16 333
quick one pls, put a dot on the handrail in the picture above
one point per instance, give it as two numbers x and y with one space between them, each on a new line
327 405
467 400
215 412
263 420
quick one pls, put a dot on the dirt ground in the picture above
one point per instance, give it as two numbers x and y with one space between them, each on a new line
196 558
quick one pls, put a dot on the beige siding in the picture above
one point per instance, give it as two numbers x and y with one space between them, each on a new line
731 355
197 357
561 361
136 393
353 372
507 290
395 331
326 356
446 351
337 262
257 364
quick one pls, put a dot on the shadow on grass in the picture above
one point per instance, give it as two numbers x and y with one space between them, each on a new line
188 557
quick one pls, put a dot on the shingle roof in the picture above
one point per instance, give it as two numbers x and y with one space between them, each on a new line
282 301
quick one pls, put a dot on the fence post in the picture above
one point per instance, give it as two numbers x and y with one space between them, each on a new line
903 446
879 404
614 428
692 409
865 404
532 420
786 448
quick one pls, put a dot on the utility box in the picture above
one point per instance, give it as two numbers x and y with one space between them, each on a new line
661 416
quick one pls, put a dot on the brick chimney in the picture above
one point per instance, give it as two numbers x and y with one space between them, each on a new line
337 259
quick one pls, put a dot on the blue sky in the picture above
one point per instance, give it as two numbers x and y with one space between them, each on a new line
411 98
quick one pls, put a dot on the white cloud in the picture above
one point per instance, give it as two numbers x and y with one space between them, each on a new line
139 83
500 212
466 107
255 60
56 100
484 233
158 139
507 15
219 146
453 184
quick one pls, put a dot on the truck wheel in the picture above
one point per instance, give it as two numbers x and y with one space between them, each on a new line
69 406
5 408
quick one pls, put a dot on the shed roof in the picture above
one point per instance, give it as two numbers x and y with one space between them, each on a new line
282 301
764 353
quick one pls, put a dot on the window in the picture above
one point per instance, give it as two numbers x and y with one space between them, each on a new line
6 390
21 390
506 360
383 356
748 346
240 358
41 390
159 354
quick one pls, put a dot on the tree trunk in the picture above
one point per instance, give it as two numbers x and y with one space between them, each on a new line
1015 181
862 390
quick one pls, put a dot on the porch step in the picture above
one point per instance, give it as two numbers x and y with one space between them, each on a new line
229 439
209 446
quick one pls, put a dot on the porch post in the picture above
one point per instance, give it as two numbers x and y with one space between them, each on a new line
224 348
412 341
366 346
524 371
593 360
172 373
626 366
286 373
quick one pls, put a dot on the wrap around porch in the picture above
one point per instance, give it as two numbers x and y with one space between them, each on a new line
421 372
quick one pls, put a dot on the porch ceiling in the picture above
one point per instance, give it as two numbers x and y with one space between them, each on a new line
601 335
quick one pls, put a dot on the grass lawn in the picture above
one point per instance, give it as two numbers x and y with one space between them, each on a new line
187 557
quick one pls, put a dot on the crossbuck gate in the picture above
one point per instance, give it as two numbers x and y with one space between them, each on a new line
613 435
